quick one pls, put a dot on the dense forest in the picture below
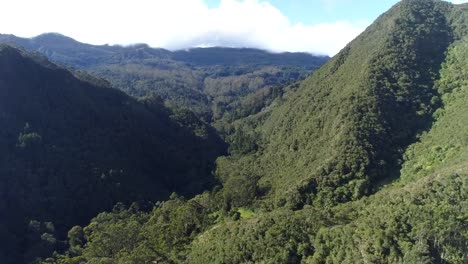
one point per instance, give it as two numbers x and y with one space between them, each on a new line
71 148
363 161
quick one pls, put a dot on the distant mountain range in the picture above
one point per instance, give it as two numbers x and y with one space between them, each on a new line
63 49
216 83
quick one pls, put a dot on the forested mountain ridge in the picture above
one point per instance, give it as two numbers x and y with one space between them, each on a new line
70 148
346 128
364 163
215 83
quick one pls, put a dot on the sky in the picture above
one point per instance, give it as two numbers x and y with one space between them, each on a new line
314 26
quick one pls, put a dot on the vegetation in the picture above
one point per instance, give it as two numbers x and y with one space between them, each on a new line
70 149
365 161
344 131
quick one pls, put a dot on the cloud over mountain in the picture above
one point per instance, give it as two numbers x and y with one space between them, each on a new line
176 24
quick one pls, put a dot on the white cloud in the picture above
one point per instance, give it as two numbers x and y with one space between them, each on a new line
175 24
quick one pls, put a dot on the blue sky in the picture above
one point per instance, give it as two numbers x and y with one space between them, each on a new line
314 26
318 11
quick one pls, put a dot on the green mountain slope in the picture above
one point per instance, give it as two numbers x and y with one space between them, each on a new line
420 218
70 148
345 130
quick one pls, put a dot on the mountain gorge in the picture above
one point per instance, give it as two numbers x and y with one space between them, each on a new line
363 161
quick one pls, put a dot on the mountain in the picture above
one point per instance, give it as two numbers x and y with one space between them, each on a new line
345 130
60 48
219 84
364 162
71 147
68 51
384 119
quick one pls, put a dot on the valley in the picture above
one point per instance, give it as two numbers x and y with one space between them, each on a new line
133 154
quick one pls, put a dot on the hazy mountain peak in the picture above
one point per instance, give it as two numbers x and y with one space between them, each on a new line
57 38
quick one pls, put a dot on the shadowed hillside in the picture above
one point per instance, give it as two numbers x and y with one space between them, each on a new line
71 148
